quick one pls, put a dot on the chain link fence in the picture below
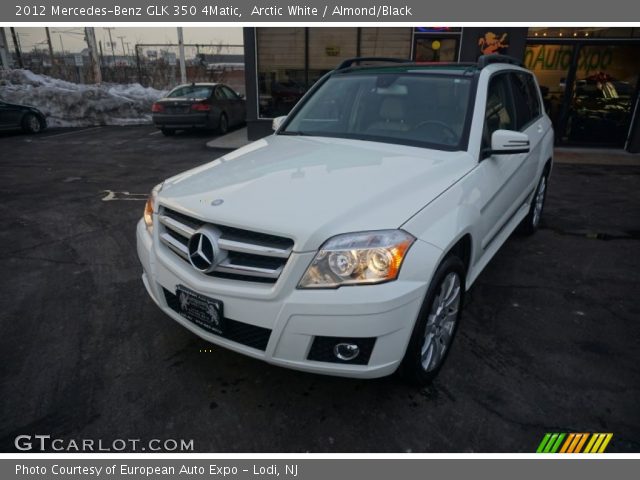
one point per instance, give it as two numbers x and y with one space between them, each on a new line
151 65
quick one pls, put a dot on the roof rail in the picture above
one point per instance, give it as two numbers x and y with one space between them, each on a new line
485 60
350 61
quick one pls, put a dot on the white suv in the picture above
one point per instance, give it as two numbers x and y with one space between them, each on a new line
343 244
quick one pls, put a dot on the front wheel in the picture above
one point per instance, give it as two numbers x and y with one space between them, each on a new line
436 325
31 123
531 222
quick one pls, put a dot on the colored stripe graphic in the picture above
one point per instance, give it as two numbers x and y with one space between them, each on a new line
581 442
558 442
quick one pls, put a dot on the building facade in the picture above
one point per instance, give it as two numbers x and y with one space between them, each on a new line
589 76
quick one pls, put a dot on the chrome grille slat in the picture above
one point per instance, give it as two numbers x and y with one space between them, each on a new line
184 230
228 267
175 245
235 246
251 254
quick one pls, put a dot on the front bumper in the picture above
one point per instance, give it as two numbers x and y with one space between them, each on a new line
295 318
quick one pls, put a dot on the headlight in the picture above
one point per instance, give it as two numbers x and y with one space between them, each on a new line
150 207
358 258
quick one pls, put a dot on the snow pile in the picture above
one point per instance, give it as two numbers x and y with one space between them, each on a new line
68 104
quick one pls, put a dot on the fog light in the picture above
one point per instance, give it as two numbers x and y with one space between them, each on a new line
346 351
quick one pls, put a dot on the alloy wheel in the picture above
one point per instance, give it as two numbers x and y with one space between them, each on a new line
441 322
539 201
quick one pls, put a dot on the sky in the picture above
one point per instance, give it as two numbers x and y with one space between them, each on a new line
72 39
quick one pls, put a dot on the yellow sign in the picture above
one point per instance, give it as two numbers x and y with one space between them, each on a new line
332 51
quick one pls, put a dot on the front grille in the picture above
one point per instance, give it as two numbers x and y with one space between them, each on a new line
252 256
322 349
239 332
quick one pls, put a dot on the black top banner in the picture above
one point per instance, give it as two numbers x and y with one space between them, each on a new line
317 11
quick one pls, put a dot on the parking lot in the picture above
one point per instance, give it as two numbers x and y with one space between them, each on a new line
548 342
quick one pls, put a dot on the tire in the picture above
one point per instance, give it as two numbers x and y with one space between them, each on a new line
223 124
435 327
168 132
531 222
31 123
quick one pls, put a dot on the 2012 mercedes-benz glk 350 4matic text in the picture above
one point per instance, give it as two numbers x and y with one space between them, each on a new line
343 244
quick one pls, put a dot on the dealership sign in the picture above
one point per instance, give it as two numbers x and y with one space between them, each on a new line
557 57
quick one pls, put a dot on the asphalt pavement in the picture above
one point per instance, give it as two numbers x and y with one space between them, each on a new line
548 343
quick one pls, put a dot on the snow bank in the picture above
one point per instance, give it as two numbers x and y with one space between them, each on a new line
69 104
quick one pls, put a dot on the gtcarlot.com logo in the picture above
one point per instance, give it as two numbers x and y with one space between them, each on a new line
574 442
44 443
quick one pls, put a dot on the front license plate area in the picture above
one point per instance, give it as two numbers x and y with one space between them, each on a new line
203 311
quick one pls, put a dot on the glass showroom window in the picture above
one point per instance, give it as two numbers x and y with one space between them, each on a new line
281 69
604 88
328 47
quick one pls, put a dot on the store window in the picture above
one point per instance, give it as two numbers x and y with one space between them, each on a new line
430 49
603 91
328 47
385 42
596 107
291 60
281 69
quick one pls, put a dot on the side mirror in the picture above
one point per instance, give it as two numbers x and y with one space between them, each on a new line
508 142
277 123
240 95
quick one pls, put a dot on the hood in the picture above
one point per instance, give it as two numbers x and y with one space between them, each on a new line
312 188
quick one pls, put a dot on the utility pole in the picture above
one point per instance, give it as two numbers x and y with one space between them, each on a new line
16 45
50 45
90 35
113 53
121 37
4 50
61 44
183 67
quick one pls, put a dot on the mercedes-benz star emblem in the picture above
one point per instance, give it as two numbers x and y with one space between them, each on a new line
204 253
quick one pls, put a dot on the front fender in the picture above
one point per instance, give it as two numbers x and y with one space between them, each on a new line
451 216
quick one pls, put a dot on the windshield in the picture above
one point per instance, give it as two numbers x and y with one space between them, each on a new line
191 91
414 109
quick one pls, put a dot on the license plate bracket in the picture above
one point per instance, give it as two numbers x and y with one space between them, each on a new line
205 312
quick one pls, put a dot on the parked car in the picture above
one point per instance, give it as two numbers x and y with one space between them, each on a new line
344 243
15 117
199 105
